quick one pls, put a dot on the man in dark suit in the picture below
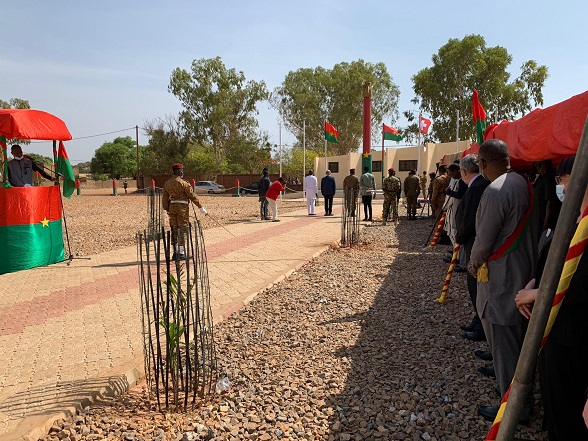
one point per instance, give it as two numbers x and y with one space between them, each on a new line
328 189
466 233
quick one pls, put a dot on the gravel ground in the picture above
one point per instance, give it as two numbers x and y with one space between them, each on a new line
362 354
97 222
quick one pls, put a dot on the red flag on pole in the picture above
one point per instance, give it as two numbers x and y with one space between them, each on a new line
424 124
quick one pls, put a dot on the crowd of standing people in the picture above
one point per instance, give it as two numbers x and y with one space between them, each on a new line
504 223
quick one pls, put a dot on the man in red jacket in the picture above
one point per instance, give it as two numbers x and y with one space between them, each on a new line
272 197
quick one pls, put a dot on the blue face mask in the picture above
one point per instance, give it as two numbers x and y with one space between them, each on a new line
559 191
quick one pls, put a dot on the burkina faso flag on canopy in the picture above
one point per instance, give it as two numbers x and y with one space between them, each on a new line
479 117
331 133
30 227
64 168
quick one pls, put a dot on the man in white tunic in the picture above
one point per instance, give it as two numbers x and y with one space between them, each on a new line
311 189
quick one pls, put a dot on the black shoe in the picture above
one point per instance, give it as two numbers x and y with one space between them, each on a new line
474 336
472 326
488 412
370 220
459 269
484 355
487 371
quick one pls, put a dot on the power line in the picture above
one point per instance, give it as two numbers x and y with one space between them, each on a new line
89 136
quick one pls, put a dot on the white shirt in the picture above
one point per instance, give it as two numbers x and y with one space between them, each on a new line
311 184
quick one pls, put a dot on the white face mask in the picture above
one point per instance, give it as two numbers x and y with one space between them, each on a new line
18 158
559 191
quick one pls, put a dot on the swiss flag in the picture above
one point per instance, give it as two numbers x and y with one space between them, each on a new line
424 125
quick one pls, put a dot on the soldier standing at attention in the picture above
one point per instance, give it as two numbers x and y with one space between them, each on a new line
176 198
392 188
424 184
440 185
412 188
350 189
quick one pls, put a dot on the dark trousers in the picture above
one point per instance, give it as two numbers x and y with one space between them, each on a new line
328 203
263 208
367 206
472 283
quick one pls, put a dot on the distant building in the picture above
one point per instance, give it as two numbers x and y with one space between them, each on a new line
402 159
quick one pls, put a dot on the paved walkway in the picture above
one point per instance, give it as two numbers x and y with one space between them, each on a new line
68 333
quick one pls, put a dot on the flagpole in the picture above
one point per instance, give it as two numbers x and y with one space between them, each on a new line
383 157
280 126
457 134
326 164
419 144
303 157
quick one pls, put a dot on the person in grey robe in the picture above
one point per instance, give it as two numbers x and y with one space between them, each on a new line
502 208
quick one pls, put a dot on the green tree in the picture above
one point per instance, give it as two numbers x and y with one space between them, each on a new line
167 145
84 167
292 162
200 161
248 156
219 105
15 103
460 67
335 95
115 159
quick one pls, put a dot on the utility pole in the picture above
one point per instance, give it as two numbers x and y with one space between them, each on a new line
137 143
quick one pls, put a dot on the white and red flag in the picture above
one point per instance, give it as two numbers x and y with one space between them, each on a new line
424 124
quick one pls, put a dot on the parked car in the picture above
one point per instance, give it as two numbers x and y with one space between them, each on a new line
250 189
204 187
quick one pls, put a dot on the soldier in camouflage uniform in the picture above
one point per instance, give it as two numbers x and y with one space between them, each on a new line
412 188
392 188
351 190
176 198
440 185
423 179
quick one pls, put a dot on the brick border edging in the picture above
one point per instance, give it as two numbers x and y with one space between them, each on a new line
116 386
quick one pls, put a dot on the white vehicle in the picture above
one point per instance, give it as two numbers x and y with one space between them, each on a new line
209 187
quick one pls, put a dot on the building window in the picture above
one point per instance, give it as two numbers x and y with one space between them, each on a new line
407 165
376 166
334 167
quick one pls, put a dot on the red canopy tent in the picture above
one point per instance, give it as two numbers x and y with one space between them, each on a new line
31 231
550 133
32 124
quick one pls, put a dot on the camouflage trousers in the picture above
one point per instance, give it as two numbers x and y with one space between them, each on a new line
390 204
179 219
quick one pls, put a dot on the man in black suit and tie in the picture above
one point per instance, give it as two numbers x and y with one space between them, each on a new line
466 234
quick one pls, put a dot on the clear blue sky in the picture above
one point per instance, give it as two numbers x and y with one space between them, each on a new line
105 66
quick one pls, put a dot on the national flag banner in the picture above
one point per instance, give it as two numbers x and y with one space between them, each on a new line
479 117
64 168
331 133
424 124
391 134
31 232
4 167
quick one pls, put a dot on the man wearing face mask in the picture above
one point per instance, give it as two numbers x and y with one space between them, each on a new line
176 198
503 259
20 169
563 361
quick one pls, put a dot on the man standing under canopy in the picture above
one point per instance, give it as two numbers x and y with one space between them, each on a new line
20 169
